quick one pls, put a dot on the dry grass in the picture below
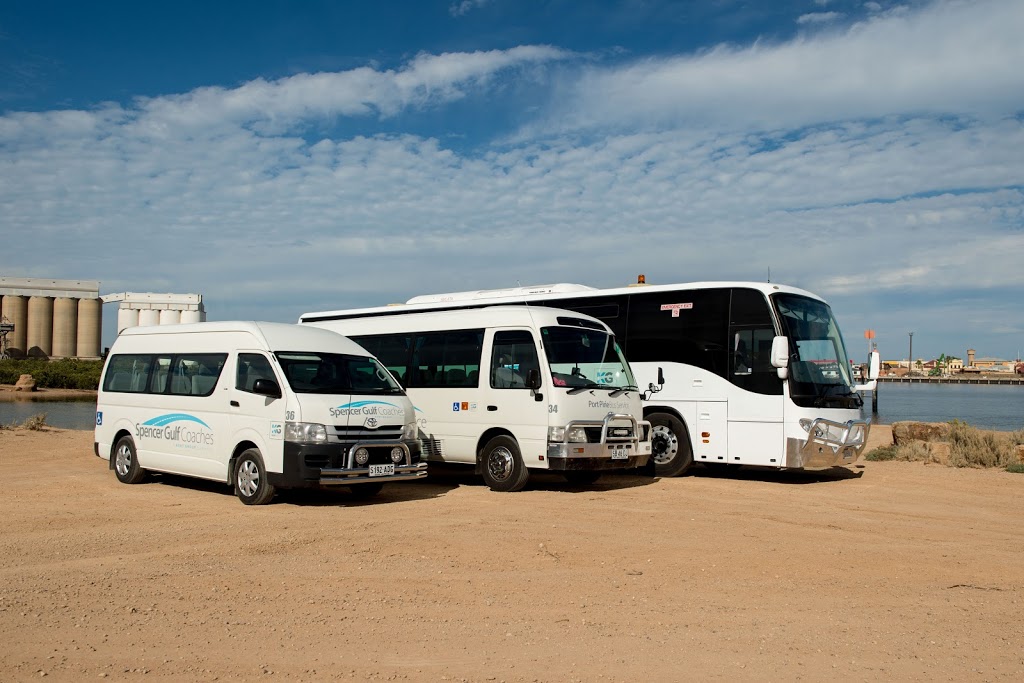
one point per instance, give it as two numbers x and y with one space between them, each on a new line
36 423
968 447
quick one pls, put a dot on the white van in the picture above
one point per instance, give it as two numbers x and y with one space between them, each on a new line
258 405
508 389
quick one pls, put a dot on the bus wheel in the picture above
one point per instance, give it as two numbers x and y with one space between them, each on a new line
502 465
126 463
581 477
251 485
363 491
670 445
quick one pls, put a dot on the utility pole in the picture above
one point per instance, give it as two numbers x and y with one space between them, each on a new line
910 361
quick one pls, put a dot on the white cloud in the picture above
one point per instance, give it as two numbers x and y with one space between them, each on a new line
819 17
949 57
463 7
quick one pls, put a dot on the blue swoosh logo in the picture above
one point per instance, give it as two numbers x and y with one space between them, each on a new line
360 404
165 420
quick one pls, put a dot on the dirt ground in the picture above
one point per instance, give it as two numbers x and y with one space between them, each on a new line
885 570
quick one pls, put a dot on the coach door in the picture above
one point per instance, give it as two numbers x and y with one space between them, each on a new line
507 398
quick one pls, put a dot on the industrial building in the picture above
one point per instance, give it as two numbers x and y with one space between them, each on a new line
64 318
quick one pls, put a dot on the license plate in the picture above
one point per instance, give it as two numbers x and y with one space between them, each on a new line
620 453
381 470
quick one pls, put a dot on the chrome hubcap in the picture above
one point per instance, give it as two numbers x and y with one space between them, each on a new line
248 478
500 463
664 444
123 460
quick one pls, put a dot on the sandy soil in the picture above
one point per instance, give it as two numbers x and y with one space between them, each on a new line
886 570
8 393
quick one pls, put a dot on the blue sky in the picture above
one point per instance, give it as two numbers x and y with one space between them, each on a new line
286 157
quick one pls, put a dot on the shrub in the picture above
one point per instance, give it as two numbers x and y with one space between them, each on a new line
36 423
970 447
1016 468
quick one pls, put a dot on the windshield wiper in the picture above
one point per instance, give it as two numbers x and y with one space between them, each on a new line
622 390
592 385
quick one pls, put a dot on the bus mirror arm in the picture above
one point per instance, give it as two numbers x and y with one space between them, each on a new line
533 384
780 356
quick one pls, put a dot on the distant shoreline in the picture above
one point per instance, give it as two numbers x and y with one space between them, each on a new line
7 393
1012 380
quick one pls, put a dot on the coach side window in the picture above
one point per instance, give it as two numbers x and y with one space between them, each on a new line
251 367
751 333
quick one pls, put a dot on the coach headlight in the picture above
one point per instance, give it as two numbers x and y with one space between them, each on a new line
305 432
806 424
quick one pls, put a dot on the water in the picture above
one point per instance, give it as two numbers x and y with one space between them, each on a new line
59 413
980 405
986 406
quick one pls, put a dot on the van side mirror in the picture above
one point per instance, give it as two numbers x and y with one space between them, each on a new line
653 388
533 384
780 356
266 387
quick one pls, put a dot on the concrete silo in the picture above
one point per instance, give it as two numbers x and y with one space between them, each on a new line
148 308
47 317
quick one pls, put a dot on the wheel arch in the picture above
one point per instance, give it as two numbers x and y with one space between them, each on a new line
650 410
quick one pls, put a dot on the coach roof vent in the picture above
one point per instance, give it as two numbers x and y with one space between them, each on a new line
511 292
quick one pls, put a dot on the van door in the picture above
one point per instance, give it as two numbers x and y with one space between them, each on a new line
254 417
507 400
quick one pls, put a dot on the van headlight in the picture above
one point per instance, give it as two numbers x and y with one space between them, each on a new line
575 435
410 431
305 432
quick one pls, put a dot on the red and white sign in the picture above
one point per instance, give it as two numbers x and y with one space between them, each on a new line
675 308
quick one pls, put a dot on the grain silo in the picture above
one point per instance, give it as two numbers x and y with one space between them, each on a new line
47 317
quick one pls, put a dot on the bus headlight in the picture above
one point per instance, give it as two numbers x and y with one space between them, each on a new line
305 432
410 431
362 456
575 435
806 424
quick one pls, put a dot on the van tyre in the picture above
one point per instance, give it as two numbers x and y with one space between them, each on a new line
126 462
502 465
251 485
670 445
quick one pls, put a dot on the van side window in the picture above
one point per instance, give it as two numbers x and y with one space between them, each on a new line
128 373
446 359
513 355
158 377
251 367
196 374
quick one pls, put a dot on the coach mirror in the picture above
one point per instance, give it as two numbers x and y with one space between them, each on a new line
780 356
266 387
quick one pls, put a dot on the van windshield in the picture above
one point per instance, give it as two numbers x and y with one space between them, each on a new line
330 373
586 358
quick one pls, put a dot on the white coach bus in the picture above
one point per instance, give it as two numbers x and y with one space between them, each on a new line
509 389
756 373
257 405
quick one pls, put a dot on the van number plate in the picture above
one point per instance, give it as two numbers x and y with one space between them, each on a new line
620 453
381 470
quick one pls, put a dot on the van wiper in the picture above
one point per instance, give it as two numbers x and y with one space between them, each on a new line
622 390
592 385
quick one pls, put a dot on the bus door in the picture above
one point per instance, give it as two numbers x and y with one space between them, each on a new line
756 407
506 398
255 417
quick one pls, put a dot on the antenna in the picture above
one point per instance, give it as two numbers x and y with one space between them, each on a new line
769 273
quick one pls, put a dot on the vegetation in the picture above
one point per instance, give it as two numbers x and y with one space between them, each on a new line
66 373
36 423
961 446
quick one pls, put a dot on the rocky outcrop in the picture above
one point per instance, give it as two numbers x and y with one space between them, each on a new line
25 383
905 432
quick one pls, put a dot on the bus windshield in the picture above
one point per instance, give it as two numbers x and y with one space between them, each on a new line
586 358
331 373
819 370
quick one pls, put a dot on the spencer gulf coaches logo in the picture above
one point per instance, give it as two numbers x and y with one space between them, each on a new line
181 429
376 409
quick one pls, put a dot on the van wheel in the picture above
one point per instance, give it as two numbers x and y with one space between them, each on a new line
670 445
126 462
581 477
362 491
502 465
251 485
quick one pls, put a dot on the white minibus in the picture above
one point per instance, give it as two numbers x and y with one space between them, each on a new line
509 389
258 405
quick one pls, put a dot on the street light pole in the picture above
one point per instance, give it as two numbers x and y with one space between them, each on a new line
910 361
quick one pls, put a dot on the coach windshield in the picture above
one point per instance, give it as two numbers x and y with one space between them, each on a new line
586 359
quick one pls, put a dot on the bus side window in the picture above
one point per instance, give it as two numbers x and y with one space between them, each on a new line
513 355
